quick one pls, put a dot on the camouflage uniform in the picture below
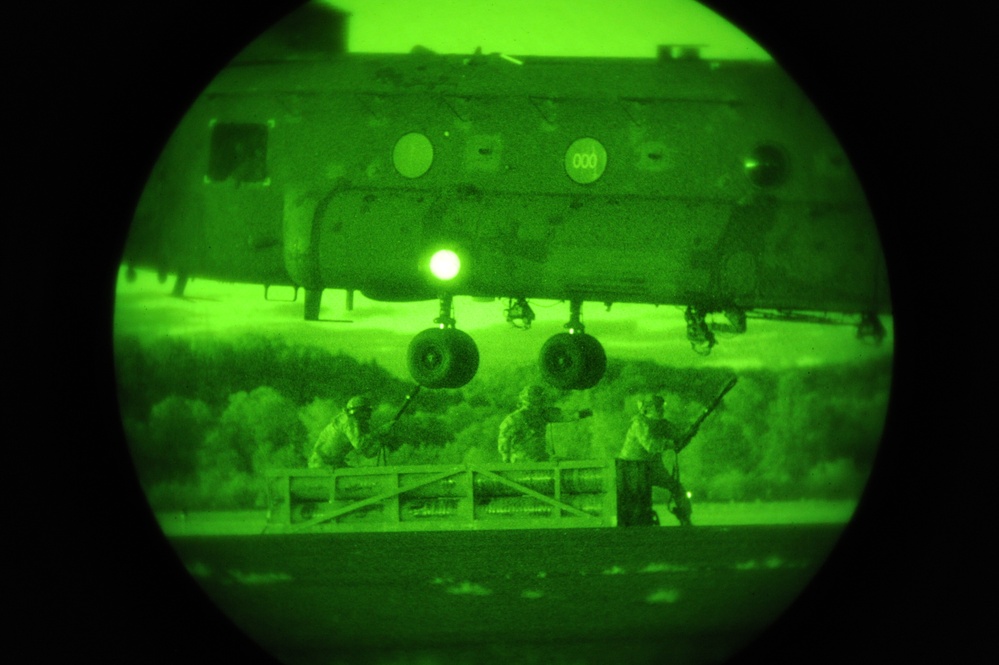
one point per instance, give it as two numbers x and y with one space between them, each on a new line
651 438
349 432
522 433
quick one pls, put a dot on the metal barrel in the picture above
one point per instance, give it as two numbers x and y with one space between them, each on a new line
353 488
429 509
572 481
362 487
306 488
529 507
584 481
539 480
452 486
308 510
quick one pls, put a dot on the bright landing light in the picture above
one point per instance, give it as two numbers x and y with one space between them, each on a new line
445 264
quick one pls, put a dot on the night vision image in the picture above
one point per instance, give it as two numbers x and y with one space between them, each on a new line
508 332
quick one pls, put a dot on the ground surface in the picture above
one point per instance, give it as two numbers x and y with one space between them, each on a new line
705 514
582 596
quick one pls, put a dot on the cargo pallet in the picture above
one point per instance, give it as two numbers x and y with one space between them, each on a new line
568 494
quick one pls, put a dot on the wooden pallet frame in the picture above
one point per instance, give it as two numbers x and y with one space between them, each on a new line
396 482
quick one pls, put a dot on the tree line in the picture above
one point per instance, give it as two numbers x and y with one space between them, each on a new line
205 420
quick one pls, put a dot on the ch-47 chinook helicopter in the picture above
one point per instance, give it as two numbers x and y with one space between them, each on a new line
712 185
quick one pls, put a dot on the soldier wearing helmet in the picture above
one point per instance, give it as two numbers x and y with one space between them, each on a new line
652 438
349 432
522 434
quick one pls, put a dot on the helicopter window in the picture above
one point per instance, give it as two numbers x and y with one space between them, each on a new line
413 155
585 160
766 165
239 152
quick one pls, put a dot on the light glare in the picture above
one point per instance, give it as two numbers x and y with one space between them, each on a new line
445 264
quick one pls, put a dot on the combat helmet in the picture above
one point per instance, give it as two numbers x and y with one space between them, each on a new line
532 396
357 404
650 402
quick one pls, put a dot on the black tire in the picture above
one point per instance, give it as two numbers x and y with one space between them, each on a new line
442 358
572 362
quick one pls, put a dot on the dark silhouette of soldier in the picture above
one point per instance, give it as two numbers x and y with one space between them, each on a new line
522 433
349 432
654 439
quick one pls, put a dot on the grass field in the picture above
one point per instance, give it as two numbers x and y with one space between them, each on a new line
415 597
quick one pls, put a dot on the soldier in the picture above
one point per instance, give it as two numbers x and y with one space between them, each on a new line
522 433
349 432
653 439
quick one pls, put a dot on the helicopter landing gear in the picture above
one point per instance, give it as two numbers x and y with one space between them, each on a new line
699 334
443 357
573 360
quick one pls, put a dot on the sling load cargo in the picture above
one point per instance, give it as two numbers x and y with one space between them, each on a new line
536 495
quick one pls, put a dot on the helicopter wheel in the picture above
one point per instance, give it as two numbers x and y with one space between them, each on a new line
572 361
443 358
